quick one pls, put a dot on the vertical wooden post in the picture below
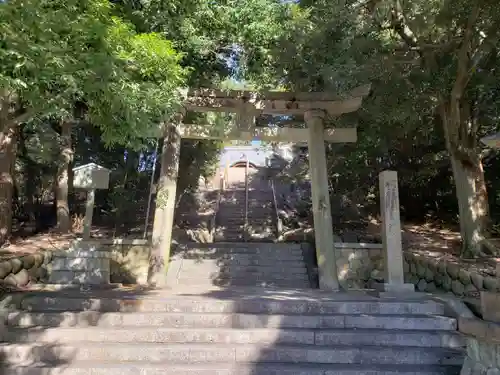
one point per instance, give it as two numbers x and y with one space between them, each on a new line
165 204
323 227
391 234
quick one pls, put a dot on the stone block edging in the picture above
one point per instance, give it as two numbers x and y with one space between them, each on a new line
19 271
430 274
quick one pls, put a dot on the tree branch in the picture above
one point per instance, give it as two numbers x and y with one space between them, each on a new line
484 48
463 75
19 117
399 24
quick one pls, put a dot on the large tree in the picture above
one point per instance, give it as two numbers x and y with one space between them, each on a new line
58 56
433 69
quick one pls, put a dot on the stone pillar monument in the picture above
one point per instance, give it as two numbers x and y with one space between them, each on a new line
391 234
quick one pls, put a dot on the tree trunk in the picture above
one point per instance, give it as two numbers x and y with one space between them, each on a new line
62 180
470 186
30 172
7 160
165 206
472 206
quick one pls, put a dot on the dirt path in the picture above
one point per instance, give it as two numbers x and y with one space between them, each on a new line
29 245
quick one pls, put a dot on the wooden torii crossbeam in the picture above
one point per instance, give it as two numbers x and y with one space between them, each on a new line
312 107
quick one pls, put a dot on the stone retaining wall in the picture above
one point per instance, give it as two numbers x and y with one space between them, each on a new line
22 270
130 261
102 262
429 274
85 262
483 338
483 358
359 264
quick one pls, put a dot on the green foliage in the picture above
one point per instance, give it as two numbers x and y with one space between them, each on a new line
46 50
197 159
56 53
143 91
335 46
211 32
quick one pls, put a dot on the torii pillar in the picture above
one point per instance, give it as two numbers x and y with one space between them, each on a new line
165 202
323 226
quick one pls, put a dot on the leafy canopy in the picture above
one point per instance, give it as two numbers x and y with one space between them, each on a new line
55 53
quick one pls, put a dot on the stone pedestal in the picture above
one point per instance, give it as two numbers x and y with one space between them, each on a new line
83 263
391 234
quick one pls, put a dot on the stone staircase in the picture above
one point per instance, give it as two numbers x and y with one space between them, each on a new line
261 216
238 264
231 216
236 331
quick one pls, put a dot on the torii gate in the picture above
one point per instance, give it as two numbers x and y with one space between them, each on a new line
313 106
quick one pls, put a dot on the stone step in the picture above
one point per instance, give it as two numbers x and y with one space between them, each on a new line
339 337
230 231
259 368
257 238
228 269
134 368
224 258
264 220
236 250
243 282
233 219
230 320
246 245
20 353
227 210
296 264
234 238
248 275
259 232
257 196
233 266
249 304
